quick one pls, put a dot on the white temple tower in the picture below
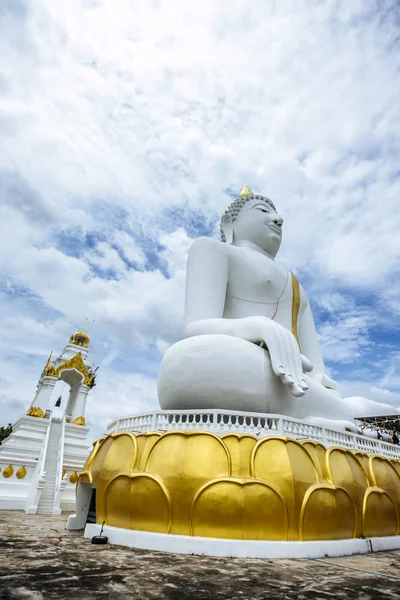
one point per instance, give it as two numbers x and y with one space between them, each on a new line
40 460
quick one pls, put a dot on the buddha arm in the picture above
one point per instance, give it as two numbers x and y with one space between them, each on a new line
206 283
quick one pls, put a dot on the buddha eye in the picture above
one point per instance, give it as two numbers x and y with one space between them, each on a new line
263 210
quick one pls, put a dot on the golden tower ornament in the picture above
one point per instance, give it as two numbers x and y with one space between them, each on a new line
245 191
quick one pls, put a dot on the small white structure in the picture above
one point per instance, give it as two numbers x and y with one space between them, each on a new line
40 460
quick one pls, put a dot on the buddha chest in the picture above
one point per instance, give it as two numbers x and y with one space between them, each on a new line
254 277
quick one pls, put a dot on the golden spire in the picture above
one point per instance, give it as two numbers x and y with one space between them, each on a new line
48 361
245 191
48 368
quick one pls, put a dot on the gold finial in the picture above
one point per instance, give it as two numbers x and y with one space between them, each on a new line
245 191
21 473
49 360
74 477
49 370
80 338
8 472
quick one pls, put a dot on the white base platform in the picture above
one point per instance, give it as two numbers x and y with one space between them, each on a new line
47 448
182 544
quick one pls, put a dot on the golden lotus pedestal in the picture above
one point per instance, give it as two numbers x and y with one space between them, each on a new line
237 487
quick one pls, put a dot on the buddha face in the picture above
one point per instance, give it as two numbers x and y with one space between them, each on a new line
259 223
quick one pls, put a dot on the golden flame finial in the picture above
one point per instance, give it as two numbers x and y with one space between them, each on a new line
80 338
47 365
245 191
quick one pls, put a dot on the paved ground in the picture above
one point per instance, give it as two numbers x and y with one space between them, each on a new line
39 559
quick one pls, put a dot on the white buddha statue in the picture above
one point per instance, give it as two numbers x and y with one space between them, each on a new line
250 342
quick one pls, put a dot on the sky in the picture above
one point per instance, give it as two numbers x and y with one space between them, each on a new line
127 127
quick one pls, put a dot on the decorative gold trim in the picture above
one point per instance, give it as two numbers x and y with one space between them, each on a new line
49 369
79 421
238 508
8 471
76 362
92 455
49 360
155 505
80 338
337 519
373 523
74 477
295 307
245 191
85 477
35 411
21 473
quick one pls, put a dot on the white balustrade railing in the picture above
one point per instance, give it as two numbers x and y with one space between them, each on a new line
60 485
39 476
257 424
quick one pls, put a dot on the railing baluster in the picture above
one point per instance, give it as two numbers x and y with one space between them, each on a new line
252 423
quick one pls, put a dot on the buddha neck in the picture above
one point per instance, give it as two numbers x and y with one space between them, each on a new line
252 246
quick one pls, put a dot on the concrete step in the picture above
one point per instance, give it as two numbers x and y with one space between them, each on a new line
51 470
46 503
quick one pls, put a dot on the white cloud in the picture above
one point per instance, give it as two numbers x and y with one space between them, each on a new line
121 130
175 248
106 258
128 247
335 302
120 396
344 339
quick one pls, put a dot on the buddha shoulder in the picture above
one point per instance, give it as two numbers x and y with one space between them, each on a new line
207 246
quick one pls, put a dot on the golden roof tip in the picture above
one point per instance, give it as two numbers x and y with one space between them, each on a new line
245 191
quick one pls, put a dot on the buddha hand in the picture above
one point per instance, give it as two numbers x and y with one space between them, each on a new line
286 360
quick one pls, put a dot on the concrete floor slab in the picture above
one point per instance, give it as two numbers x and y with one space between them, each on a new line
40 560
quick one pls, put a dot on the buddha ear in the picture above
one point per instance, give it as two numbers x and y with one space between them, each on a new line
227 228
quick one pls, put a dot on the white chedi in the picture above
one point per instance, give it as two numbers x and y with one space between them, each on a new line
250 342
41 458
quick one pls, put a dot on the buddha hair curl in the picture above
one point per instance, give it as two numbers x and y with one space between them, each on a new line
236 206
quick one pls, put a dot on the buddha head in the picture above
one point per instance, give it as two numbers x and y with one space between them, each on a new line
252 218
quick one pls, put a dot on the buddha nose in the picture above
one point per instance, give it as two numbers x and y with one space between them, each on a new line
278 220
